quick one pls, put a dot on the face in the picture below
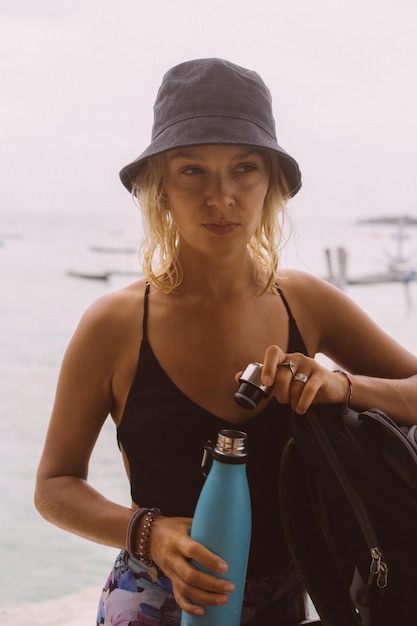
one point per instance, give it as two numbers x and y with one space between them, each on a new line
216 195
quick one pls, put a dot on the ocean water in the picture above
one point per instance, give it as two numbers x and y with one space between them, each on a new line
39 309
40 306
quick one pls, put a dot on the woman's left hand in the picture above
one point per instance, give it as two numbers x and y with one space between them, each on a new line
301 381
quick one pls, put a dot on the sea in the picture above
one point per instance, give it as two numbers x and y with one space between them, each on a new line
52 266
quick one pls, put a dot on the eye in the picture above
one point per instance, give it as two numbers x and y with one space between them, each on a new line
244 168
191 170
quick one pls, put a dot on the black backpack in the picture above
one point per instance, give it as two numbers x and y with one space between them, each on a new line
348 498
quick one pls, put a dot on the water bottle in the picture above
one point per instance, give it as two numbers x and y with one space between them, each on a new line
222 522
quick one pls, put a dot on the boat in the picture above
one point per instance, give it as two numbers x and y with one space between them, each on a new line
400 268
104 276
112 250
90 276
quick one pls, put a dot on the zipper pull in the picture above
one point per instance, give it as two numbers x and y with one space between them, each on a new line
376 558
378 568
382 578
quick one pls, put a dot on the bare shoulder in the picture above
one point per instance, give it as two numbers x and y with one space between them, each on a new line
301 286
109 329
323 312
332 323
324 304
116 310
104 348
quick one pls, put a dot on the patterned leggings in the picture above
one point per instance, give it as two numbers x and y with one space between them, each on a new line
136 595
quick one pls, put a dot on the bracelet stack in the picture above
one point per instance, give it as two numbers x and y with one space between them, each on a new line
350 390
148 516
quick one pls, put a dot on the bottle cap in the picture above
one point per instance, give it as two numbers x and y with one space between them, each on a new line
230 448
251 390
231 443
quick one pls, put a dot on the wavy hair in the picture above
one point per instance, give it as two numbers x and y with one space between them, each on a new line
160 246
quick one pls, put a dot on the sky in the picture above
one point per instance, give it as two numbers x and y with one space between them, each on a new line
79 78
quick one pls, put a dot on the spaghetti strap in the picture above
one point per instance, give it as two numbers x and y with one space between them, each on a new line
145 311
295 340
287 306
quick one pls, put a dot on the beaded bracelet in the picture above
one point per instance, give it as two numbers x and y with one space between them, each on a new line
132 531
149 516
350 390
144 538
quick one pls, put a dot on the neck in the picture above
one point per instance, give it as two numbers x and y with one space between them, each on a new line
220 278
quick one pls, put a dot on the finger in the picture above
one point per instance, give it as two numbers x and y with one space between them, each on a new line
301 377
196 606
295 363
194 587
238 375
282 388
190 597
198 591
302 395
286 370
176 552
199 567
208 560
272 358
189 607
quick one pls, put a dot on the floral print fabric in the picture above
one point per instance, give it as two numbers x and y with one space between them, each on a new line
137 595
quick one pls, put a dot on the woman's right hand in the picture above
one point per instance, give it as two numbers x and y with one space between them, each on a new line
172 549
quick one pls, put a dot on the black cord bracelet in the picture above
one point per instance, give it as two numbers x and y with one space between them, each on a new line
149 514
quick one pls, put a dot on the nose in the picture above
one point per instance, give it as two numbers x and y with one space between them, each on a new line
220 192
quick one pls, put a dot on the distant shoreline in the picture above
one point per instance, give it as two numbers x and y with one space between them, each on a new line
76 609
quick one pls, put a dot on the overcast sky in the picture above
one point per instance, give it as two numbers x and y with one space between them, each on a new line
79 78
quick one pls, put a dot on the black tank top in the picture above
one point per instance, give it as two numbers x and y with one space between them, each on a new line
163 433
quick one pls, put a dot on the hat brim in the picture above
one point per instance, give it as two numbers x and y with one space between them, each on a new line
214 130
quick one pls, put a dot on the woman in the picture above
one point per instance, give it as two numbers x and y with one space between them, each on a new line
212 186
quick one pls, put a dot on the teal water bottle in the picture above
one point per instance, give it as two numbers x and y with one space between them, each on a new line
222 522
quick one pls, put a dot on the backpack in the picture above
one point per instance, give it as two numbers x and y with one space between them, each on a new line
348 500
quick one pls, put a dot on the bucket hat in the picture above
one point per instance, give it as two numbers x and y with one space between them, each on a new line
213 101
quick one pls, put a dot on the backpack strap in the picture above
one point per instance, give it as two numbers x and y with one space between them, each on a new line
378 569
307 544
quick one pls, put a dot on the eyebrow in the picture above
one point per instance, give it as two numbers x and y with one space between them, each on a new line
182 154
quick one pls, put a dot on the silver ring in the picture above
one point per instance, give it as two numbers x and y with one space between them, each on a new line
301 377
290 366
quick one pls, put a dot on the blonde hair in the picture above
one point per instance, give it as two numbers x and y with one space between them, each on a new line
160 246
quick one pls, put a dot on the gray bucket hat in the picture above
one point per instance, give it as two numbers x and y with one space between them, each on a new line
213 101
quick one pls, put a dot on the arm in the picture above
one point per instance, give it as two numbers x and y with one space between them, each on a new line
383 373
92 383
83 400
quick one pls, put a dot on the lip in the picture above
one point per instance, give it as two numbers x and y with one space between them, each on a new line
222 229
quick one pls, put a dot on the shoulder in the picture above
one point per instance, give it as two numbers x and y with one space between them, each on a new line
117 306
298 284
114 318
316 296
323 312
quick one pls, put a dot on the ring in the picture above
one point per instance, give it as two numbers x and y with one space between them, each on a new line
290 366
301 377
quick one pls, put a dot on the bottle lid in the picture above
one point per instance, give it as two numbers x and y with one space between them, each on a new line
230 448
231 443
